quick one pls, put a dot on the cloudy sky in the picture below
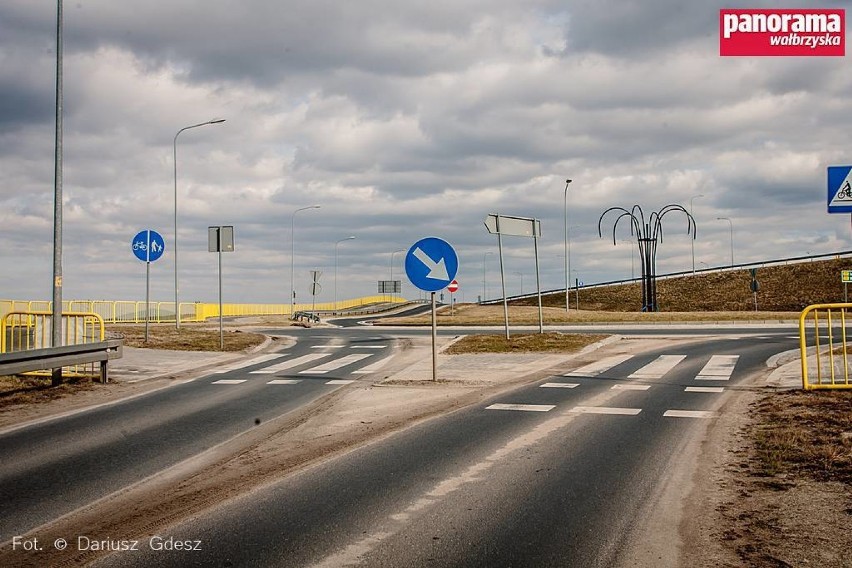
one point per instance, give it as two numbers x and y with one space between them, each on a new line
402 120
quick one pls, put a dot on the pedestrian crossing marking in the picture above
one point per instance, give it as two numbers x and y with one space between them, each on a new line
284 382
246 363
372 368
522 407
718 368
657 368
289 364
229 381
339 382
630 387
335 364
560 385
367 346
606 410
598 367
704 389
690 414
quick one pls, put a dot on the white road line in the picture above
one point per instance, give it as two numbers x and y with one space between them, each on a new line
718 368
228 381
339 382
598 367
606 410
630 387
289 364
336 364
331 347
704 389
367 346
691 414
246 363
658 367
284 381
523 407
559 385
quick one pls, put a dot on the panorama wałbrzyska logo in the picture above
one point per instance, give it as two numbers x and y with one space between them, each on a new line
811 32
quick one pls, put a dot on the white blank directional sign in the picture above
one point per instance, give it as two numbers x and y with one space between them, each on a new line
515 226
431 264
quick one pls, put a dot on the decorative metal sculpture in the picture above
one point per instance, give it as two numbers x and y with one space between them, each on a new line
647 235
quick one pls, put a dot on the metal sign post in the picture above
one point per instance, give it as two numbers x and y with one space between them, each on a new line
219 240
147 246
431 264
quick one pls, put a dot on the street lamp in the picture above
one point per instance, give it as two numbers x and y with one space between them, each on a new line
567 247
484 289
391 267
174 149
293 255
335 267
632 271
732 236
692 241
521 274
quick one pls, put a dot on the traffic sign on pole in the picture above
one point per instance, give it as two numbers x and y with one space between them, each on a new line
453 286
840 189
148 245
431 264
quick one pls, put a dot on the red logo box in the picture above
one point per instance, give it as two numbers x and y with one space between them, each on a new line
783 32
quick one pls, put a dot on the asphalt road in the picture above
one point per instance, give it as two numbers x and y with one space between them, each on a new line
562 483
55 467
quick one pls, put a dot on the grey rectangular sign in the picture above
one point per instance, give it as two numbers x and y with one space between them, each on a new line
226 238
514 226
390 286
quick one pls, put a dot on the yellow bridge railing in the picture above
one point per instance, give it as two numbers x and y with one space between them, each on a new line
829 367
113 311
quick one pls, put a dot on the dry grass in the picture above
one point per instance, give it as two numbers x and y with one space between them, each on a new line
21 390
189 338
472 314
804 434
523 343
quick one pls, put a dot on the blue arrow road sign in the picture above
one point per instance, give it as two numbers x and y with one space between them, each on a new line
840 189
148 245
431 264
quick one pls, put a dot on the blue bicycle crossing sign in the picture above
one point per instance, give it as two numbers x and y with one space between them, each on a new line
840 189
148 245
431 264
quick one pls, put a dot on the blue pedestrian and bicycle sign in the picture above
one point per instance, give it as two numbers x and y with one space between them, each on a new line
840 189
148 245
431 264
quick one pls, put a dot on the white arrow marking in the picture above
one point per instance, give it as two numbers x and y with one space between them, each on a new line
437 270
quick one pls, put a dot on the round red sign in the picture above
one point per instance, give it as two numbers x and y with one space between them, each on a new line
453 286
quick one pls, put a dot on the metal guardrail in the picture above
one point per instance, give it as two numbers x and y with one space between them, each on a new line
829 368
49 358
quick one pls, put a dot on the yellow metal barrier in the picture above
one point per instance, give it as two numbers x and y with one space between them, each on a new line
829 368
22 330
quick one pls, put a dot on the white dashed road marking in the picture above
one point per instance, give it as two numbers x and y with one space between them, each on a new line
229 381
718 368
247 363
658 367
630 387
606 410
289 364
367 346
339 382
704 389
560 385
598 367
284 382
691 414
336 364
523 407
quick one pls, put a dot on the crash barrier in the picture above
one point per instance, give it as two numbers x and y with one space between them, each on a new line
33 330
78 358
116 311
829 366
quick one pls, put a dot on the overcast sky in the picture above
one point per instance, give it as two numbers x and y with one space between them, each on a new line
402 120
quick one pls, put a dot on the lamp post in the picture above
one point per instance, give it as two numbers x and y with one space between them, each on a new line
174 156
732 236
293 255
567 248
692 241
335 267
484 288
521 274
391 267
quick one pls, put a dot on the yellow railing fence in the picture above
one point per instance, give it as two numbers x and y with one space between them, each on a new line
829 366
113 311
